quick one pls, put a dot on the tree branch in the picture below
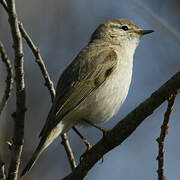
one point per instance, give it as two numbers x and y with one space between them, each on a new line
125 128
50 86
2 171
4 4
18 135
35 50
161 138
68 150
9 78
48 82
39 61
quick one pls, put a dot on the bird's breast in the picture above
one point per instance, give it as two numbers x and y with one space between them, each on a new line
105 101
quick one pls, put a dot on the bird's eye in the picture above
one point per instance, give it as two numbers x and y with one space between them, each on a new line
125 28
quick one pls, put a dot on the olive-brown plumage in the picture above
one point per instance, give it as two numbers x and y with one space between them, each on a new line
95 84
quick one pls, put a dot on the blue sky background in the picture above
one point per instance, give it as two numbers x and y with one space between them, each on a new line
61 29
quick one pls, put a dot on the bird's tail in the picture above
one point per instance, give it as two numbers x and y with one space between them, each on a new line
46 139
34 158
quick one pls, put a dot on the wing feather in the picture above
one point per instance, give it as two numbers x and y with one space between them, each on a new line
71 91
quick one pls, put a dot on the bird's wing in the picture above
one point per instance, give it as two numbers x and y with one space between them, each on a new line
77 82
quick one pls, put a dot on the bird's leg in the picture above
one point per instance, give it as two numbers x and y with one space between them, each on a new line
88 144
105 131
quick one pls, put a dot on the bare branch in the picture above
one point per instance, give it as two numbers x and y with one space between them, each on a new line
18 136
39 61
161 138
48 82
35 50
50 86
69 152
2 171
125 128
4 4
9 78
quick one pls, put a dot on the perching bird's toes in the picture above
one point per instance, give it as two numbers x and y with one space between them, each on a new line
88 144
85 141
105 132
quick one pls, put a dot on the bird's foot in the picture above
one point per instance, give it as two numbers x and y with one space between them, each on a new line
88 144
105 132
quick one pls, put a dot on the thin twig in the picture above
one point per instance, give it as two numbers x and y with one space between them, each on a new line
35 50
2 170
125 128
4 4
48 82
50 86
39 61
18 135
69 152
161 138
9 78
9 83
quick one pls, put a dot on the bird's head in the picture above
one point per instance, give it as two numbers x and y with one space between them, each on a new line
120 31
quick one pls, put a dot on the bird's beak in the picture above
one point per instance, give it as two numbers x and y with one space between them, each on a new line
143 32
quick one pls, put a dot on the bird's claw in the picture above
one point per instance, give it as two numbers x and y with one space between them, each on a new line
88 144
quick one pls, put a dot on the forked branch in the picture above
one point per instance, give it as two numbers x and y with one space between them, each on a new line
9 78
18 135
161 138
50 86
48 82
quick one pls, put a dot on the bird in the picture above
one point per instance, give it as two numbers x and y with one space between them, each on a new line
95 85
